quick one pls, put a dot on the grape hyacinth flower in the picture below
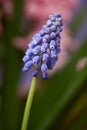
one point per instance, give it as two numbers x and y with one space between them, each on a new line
44 48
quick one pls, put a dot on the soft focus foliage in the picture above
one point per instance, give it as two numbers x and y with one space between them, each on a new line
61 101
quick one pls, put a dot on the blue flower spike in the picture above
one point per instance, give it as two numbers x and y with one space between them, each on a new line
26 58
34 73
36 60
43 67
52 44
45 75
45 57
29 64
44 47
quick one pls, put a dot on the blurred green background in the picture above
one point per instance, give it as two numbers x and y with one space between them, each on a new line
61 102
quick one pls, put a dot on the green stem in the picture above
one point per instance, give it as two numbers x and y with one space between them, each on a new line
28 105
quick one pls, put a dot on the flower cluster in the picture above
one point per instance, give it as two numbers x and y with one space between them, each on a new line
44 48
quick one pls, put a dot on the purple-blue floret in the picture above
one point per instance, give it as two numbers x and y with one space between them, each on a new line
44 48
